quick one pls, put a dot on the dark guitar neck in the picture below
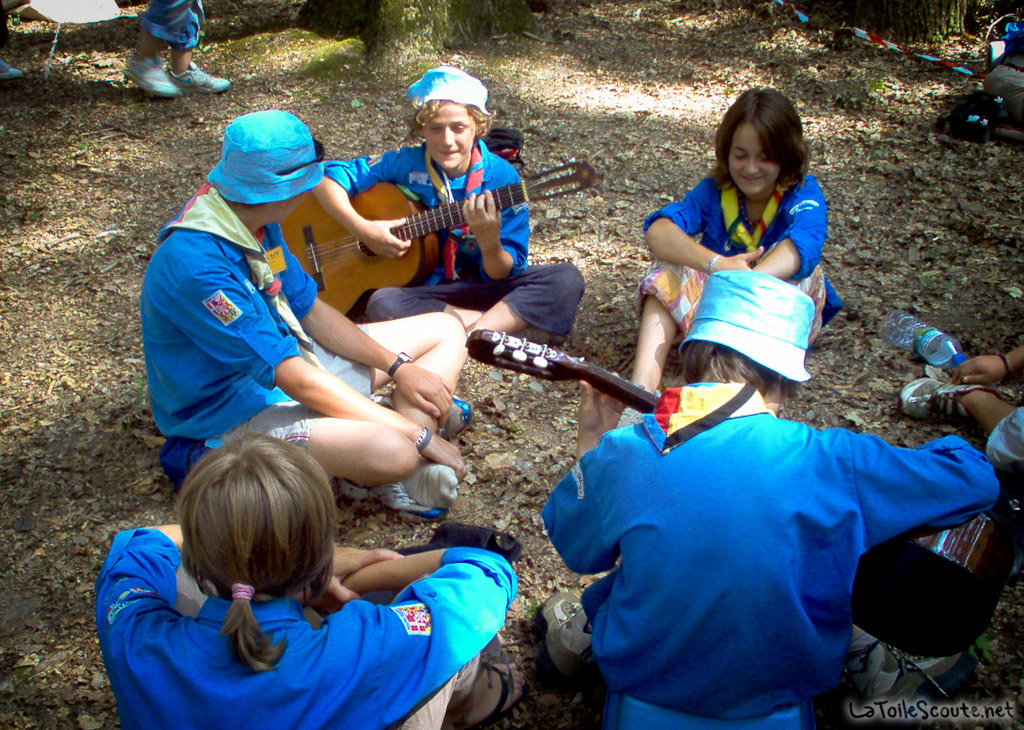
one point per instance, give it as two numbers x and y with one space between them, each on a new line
514 353
450 215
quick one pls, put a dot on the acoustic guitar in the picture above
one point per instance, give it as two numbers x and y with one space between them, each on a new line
929 592
344 268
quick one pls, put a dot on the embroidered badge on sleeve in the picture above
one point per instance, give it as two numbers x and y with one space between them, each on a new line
415 617
222 308
804 205
124 600
418 177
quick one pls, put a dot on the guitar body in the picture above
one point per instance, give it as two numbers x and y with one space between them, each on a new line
931 592
345 270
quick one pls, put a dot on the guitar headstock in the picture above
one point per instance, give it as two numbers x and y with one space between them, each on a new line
571 177
514 353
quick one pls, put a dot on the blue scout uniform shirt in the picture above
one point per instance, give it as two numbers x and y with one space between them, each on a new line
211 339
366 667
739 549
406 167
802 217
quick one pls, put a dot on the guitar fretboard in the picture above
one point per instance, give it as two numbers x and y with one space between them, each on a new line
450 215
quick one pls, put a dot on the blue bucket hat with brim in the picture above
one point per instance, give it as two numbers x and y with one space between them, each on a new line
267 156
759 316
448 83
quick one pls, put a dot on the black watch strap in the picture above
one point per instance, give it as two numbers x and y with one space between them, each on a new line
401 360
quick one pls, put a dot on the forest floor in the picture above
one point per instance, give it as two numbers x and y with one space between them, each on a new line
92 169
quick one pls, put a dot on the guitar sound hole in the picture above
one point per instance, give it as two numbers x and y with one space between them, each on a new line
364 249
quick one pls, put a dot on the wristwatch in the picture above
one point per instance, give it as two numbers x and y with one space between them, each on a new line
401 360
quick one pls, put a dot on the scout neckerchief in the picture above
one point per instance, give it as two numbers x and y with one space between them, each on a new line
210 213
443 188
734 213
686 412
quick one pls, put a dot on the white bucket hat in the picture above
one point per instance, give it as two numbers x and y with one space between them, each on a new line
448 83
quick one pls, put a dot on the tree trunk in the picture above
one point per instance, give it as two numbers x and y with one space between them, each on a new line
407 28
912 20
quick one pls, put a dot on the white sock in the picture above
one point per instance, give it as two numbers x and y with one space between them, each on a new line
433 485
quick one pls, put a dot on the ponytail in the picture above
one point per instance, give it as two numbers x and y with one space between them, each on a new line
252 646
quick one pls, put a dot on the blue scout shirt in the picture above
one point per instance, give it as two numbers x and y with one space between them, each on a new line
366 667
738 551
211 339
406 167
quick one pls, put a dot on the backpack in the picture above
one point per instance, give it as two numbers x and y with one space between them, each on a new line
976 118
506 143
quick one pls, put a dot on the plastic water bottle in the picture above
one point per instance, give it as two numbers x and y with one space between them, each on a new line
909 333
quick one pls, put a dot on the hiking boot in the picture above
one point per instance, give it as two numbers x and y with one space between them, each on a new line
876 670
150 75
197 81
564 657
9 73
432 485
928 398
393 495
459 418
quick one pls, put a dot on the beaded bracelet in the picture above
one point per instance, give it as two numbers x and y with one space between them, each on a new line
1006 364
424 439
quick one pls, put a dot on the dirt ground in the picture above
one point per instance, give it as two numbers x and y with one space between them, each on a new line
91 168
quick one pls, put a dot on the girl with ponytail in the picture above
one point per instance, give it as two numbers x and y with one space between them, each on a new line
257 529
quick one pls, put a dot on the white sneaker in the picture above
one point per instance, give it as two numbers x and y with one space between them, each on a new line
8 73
150 75
393 495
197 81
433 485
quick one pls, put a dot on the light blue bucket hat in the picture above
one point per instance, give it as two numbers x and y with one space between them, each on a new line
267 156
448 83
759 316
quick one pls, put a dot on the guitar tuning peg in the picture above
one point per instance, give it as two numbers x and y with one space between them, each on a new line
519 355
499 349
540 361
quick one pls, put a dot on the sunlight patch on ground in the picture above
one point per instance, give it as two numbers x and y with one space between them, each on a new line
299 51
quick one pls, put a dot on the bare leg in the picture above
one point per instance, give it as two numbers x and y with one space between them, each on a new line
365 453
657 333
500 318
180 60
149 45
483 700
985 408
437 342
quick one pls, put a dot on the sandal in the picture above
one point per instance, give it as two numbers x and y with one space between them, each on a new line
490 665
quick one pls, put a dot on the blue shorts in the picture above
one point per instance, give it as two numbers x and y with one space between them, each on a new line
174 21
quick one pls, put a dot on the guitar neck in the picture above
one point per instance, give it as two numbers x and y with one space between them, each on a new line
450 215
514 353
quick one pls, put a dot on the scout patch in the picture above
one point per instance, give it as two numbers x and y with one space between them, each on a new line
275 259
577 476
804 205
222 308
418 177
415 617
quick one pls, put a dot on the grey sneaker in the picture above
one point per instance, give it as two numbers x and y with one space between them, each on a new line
564 657
197 81
150 76
393 495
927 398
875 670
8 73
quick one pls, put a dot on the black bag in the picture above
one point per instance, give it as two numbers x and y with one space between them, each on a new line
506 143
976 118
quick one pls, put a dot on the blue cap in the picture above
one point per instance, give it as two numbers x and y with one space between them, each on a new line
759 316
266 157
449 84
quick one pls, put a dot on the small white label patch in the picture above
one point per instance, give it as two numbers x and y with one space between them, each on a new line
250 287
577 475
418 178
803 205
